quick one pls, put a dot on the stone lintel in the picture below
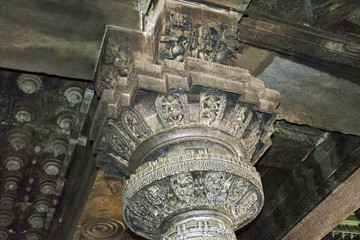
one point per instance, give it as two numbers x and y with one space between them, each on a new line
298 41
342 202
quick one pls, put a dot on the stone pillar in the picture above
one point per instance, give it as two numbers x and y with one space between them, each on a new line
183 125
191 194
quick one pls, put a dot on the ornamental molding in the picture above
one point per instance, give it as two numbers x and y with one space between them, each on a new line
158 120
179 79
163 198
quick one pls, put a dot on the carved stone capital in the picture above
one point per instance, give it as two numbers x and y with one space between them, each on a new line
191 192
182 124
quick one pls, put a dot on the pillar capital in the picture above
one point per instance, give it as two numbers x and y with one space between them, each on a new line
183 124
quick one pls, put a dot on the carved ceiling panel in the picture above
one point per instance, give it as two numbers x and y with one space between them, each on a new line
40 127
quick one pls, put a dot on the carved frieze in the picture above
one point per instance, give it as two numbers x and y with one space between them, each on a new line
191 181
172 108
116 66
183 37
236 119
212 106
135 125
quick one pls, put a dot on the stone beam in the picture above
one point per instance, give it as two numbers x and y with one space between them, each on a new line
324 218
299 41
314 98
321 172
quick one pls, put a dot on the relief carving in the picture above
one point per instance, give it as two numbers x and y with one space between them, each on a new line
200 228
237 189
251 141
117 141
183 186
239 120
182 38
156 195
172 108
135 125
214 184
143 215
246 204
212 107
200 180
115 66
176 38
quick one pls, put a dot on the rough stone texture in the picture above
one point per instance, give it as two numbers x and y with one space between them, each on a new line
253 59
314 98
345 199
59 37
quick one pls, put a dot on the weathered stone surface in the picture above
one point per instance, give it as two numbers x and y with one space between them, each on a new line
57 37
314 98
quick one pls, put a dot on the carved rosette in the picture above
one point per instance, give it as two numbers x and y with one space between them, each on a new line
7 200
194 192
59 146
6 218
51 166
24 112
33 235
29 84
47 185
74 94
36 220
103 229
3 233
42 205
14 160
12 180
19 138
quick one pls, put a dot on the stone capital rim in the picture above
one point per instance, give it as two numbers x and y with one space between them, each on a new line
188 182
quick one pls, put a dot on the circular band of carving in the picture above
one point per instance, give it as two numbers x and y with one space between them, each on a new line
226 191
103 228
165 167
193 225
181 135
